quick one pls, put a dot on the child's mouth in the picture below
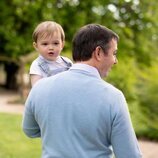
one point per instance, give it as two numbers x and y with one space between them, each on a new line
51 53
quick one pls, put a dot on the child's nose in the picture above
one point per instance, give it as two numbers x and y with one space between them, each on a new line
51 46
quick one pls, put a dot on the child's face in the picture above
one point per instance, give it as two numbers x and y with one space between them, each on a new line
49 46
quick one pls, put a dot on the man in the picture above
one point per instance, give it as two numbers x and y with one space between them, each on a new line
76 113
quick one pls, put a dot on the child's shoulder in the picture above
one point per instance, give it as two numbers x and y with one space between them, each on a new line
66 59
35 62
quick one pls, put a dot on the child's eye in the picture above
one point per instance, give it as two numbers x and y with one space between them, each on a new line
44 44
56 43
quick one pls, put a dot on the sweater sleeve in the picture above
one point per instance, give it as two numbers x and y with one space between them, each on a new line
123 138
29 123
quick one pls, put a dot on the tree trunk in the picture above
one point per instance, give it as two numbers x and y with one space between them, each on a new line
11 70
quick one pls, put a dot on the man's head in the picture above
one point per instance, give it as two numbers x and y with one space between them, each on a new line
95 45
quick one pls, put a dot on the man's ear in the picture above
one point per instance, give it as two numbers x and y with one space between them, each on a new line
97 53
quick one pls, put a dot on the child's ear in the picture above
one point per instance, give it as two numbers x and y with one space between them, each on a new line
35 45
63 44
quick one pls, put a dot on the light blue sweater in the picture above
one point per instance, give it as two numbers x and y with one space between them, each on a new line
78 115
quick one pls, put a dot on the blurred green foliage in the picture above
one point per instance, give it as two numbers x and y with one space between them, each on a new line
134 20
148 99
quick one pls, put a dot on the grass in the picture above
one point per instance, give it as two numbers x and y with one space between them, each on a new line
13 142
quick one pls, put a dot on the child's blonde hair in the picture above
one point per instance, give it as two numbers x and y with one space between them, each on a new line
47 28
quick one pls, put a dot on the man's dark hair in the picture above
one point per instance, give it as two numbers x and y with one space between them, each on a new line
88 38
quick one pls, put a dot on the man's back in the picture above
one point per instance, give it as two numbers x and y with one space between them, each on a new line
81 125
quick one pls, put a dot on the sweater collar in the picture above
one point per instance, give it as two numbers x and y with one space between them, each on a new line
86 68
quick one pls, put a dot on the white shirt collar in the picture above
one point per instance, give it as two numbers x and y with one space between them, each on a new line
84 67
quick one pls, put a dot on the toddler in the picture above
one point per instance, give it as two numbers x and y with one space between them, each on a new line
48 41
